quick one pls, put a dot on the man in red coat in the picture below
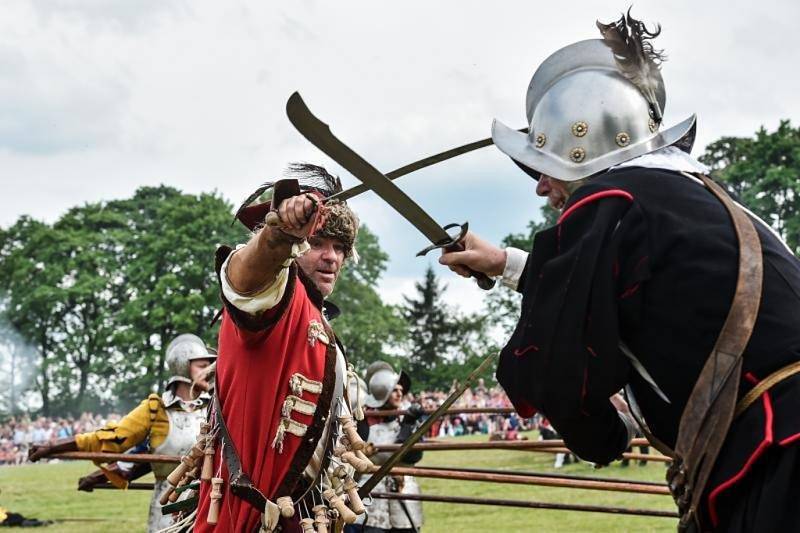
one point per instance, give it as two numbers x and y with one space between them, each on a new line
280 374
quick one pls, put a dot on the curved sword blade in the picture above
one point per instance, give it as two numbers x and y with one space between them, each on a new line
320 135
422 163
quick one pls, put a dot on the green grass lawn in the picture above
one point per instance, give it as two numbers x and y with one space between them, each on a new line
47 491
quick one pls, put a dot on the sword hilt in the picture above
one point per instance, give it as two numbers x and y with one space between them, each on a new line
456 244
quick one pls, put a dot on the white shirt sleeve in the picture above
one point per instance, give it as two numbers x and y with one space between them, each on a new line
270 296
515 264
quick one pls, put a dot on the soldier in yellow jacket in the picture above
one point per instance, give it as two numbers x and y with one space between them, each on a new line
168 424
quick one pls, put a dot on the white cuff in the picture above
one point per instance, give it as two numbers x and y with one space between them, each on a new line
267 298
515 264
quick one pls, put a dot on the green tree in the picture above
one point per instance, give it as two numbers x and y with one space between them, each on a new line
765 172
101 292
443 345
169 279
368 327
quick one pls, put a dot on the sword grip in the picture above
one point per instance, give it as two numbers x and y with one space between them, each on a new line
484 281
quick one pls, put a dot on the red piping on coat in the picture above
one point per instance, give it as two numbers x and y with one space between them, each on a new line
525 350
592 198
768 440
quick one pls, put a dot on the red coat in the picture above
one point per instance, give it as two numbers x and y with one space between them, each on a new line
257 357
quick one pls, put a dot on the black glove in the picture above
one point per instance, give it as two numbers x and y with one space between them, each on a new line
415 412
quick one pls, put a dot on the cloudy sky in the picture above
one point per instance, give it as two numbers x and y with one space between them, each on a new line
99 97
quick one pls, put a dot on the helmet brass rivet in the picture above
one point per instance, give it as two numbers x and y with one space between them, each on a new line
623 139
580 128
577 154
541 139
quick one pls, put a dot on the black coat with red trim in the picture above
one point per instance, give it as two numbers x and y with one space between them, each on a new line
648 258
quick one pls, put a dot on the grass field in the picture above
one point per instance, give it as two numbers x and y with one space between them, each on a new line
47 491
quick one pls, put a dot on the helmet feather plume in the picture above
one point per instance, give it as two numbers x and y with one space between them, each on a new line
630 41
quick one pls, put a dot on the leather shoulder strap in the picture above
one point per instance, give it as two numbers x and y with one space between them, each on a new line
240 483
709 411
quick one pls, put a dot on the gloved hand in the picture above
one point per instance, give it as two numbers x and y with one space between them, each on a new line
415 412
37 451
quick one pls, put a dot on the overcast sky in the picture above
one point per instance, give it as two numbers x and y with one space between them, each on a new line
99 97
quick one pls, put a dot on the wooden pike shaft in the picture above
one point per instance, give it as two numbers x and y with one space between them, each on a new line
543 446
454 411
542 474
126 457
498 444
149 486
638 488
549 446
632 456
131 486
526 504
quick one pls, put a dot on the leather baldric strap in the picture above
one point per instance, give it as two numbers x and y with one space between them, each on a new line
240 483
709 411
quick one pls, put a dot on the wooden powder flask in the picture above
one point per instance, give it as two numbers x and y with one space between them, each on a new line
351 488
190 476
359 464
307 524
286 506
216 497
349 428
208 462
321 520
165 496
337 503
187 463
173 496
361 455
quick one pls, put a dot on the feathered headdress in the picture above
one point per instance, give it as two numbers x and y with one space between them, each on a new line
340 223
629 40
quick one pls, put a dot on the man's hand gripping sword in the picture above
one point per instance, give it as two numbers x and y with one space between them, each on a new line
320 135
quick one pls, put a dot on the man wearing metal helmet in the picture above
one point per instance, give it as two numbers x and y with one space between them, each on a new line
281 408
167 424
654 280
386 389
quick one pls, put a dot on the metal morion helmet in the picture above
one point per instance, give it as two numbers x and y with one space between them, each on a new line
381 380
181 351
595 104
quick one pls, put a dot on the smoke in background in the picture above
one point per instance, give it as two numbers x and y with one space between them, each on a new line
18 361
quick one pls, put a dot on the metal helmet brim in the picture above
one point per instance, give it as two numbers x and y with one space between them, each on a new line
381 382
517 146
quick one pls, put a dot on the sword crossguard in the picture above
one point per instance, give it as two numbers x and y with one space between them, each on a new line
456 244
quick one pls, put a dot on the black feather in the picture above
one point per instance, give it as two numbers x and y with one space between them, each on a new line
637 59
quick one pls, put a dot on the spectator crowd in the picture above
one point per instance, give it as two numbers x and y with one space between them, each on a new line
17 434
497 426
